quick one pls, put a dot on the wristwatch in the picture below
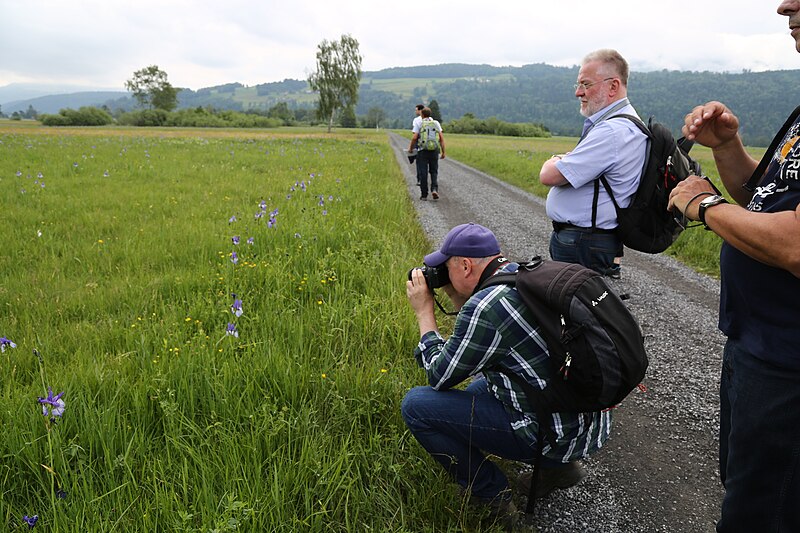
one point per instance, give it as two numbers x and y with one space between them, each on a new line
707 202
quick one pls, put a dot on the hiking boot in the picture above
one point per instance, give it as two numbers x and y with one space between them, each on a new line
501 511
562 477
435 195
423 198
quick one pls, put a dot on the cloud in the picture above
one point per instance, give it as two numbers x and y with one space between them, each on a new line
201 43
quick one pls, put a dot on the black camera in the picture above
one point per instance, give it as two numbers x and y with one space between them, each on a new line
435 277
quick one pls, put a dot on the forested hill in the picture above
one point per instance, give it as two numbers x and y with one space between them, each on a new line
544 94
536 93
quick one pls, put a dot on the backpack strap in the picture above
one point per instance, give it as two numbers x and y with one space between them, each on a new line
542 414
751 183
602 178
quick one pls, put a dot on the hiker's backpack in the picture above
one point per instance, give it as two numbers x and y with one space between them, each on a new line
428 135
595 344
646 225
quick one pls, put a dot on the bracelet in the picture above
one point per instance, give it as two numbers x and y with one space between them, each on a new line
693 198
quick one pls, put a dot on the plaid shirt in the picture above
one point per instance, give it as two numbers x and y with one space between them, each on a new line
495 329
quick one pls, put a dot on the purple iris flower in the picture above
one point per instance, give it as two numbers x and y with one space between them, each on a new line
236 308
30 520
232 219
6 343
234 258
235 239
251 240
52 406
263 205
231 330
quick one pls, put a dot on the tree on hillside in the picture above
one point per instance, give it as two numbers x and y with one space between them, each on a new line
348 119
337 77
152 90
436 114
375 116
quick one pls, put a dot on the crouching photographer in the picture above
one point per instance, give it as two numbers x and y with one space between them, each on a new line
494 335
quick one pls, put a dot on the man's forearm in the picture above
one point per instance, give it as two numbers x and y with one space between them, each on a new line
735 166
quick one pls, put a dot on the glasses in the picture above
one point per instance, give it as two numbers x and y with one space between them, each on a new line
585 86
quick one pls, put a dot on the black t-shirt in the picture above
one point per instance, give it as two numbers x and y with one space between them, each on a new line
760 304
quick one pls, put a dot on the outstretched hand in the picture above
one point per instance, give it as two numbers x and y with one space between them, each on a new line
711 124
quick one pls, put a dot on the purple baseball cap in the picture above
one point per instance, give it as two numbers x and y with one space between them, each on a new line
466 240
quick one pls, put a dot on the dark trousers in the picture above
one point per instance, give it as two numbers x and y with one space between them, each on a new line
459 428
590 249
759 444
428 161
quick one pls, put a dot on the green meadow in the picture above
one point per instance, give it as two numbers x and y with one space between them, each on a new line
225 314
117 284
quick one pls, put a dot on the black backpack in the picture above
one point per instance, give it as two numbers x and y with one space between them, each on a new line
646 225
595 344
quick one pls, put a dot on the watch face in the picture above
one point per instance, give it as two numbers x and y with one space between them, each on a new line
712 200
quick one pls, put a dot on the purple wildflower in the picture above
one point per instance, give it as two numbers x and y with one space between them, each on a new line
235 239
234 258
6 343
39 175
321 201
297 235
263 205
231 330
324 212
19 173
30 520
251 240
52 406
232 219
236 308
105 174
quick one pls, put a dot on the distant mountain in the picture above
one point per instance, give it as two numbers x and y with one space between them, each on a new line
14 92
55 102
535 93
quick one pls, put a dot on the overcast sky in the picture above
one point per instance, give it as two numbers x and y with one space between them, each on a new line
201 43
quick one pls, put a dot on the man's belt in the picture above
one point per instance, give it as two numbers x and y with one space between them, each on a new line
558 226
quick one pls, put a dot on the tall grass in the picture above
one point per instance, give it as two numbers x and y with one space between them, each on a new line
118 268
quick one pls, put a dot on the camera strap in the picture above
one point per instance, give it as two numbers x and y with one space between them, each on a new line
490 270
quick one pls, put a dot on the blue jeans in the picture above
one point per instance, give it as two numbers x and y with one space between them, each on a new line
457 427
759 444
428 161
592 250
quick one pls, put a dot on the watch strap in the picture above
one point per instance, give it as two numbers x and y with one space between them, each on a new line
705 204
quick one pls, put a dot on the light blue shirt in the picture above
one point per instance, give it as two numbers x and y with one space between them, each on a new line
614 147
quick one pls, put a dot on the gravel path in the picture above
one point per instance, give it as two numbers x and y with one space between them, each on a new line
658 471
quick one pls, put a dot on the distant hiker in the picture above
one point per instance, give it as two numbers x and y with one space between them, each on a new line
759 441
494 333
584 217
429 143
415 125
